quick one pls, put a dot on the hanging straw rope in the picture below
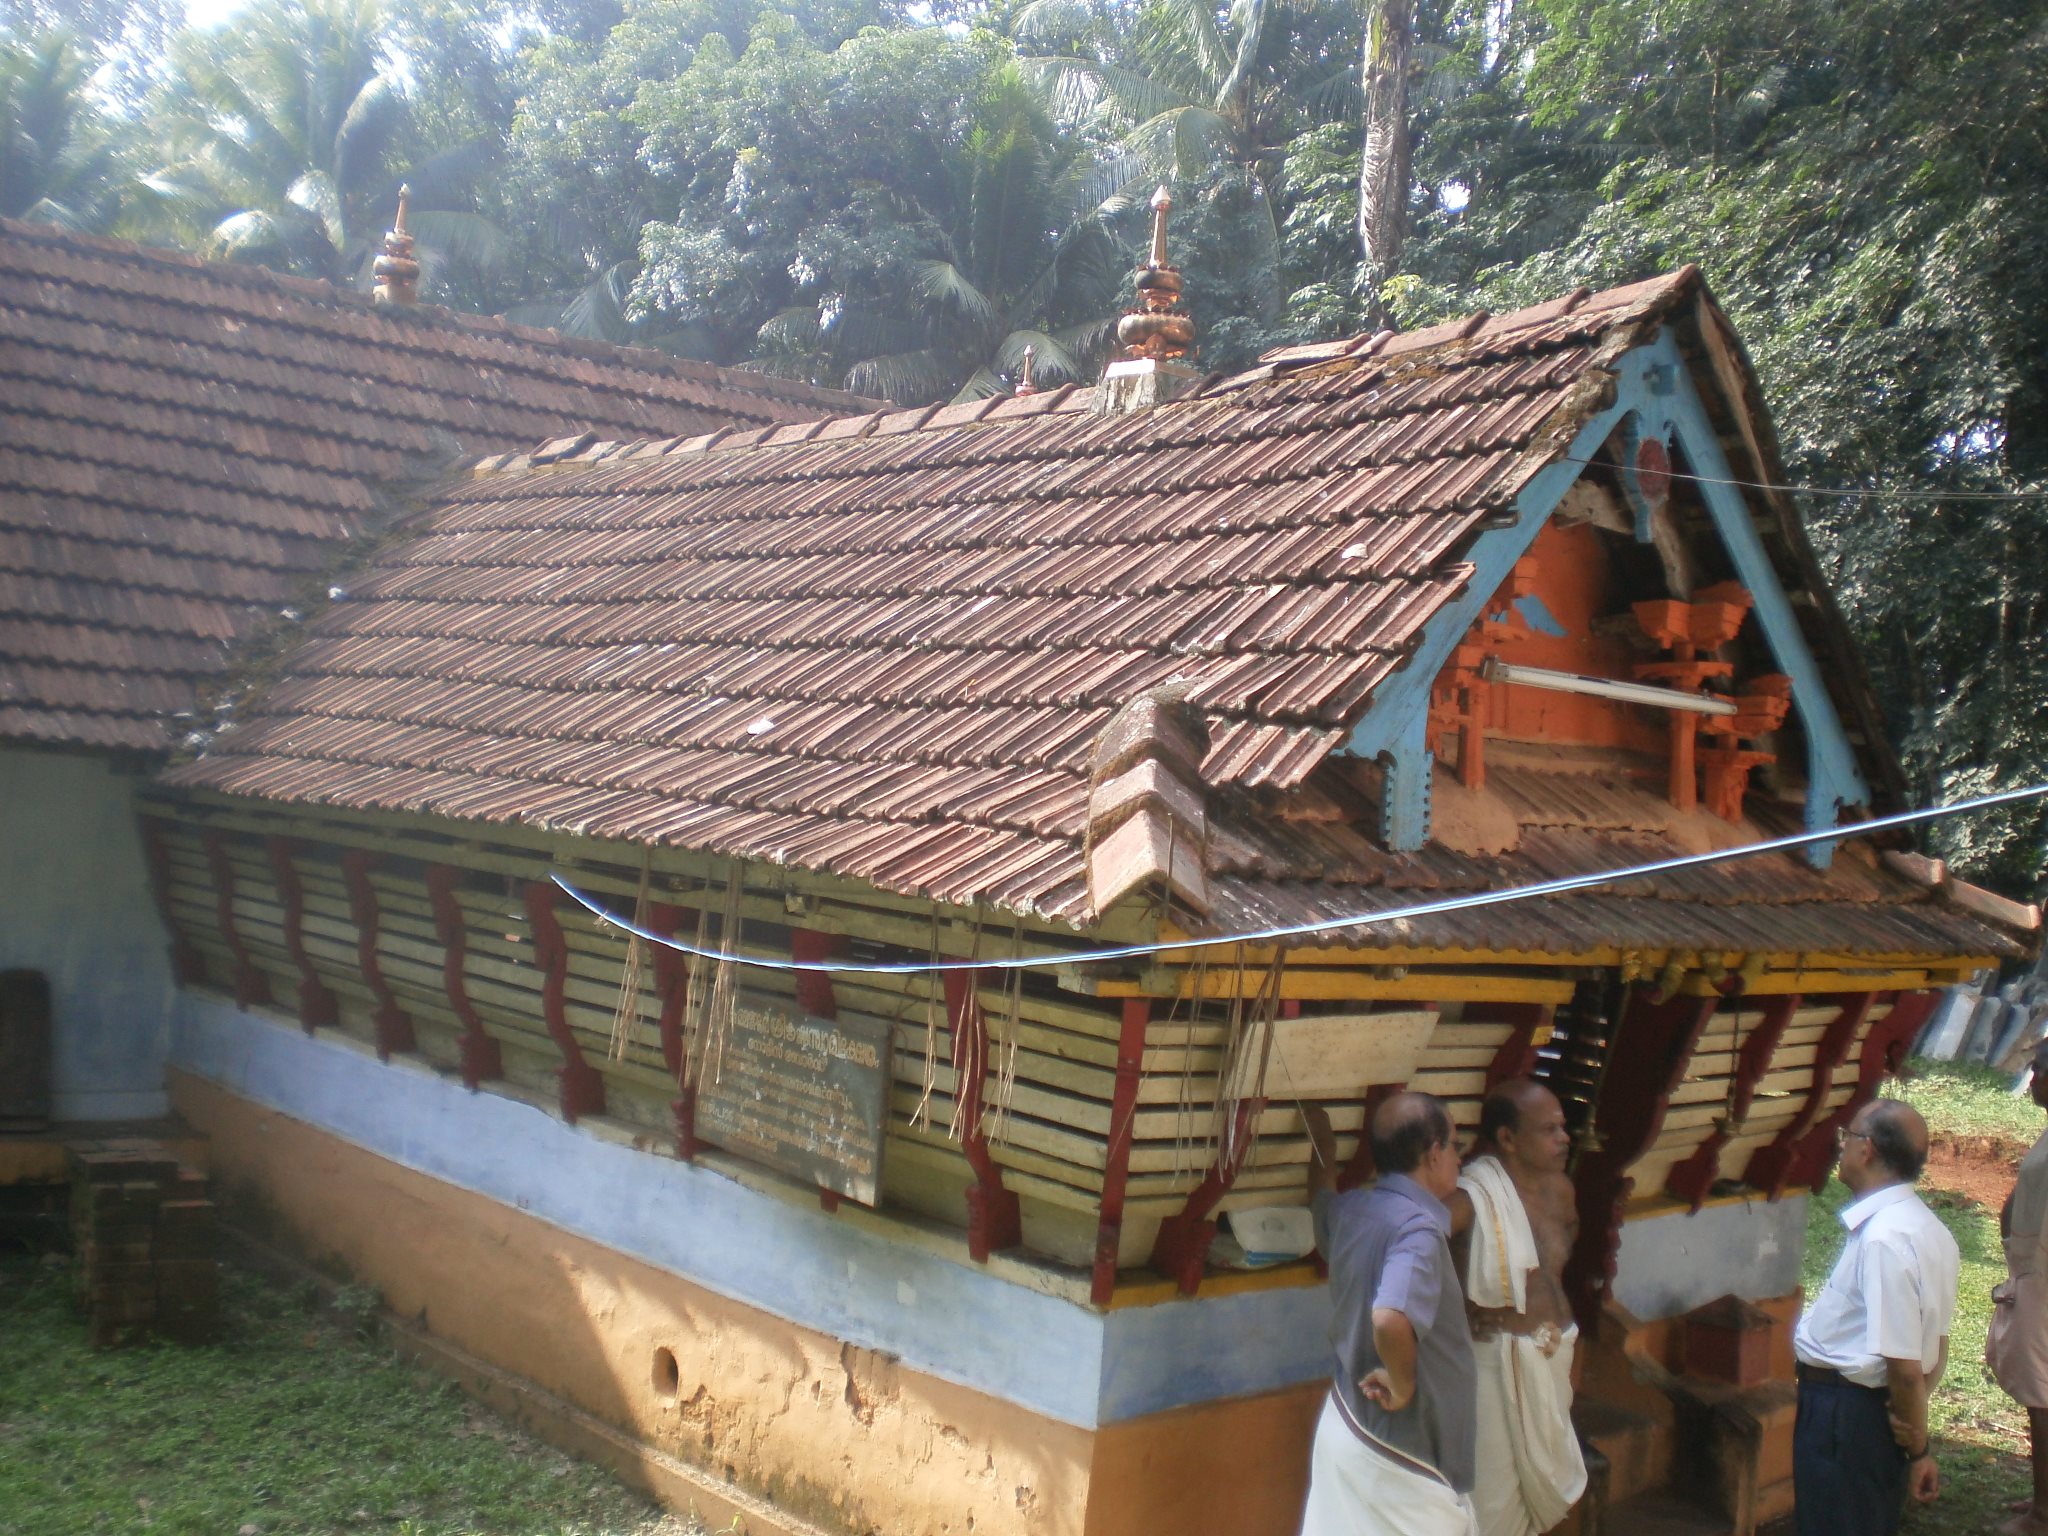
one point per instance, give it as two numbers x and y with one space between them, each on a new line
696 995
723 984
1013 1023
933 991
632 977
1251 1051
976 1045
1184 1104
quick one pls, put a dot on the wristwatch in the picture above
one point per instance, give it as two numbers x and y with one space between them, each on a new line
1922 1454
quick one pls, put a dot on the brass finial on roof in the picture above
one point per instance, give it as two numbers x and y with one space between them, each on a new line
397 271
1025 386
1154 329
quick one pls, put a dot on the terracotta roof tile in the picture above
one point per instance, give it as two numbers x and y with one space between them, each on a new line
187 446
884 647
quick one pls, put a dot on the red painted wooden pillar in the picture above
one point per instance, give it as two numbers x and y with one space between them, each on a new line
392 1023
1130 1061
672 988
814 994
482 1059
1883 1054
993 1219
582 1085
1181 1250
251 985
1772 1167
1693 1180
1517 1054
316 1003
1647 1060
187 963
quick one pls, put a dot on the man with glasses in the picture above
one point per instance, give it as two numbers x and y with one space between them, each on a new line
1873 1343
1394 1450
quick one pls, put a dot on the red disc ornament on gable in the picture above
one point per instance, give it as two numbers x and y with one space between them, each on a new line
1653 470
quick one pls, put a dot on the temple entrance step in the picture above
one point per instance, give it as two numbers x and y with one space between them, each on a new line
1662 1514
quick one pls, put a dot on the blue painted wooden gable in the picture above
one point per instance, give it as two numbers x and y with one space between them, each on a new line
1654 396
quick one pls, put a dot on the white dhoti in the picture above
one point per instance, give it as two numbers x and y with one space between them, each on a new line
1355 1490
1531 1470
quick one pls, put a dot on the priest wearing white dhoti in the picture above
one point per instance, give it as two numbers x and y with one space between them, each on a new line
1516 1215
1393 1450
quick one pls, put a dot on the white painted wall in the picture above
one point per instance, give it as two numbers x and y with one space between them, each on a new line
1674 1262
75 904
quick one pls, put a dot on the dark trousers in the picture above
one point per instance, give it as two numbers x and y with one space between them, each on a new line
1848 1473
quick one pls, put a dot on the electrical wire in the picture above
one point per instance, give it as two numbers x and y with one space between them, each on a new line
1464 903
1829 490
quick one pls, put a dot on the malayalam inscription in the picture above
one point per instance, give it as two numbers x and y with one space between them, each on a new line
803 1094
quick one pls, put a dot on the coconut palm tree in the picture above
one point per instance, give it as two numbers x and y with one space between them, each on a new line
1183 95
283 132
1384 167
57 160
1020 255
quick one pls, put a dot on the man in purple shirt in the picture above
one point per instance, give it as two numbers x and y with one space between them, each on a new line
1394 1447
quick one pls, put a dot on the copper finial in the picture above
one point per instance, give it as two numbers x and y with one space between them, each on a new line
1162 205
1024 384
397 271
1154 330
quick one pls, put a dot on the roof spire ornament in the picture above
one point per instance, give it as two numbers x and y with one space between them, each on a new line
1025 386
1154 329
1155 338
397 271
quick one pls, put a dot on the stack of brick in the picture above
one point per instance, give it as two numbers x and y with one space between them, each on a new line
143 1233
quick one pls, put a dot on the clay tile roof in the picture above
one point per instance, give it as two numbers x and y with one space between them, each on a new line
886 651
186 446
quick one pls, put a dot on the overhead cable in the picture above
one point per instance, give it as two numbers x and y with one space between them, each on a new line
1831 490
1326 925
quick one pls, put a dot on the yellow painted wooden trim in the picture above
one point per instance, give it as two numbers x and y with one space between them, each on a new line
1350 986
1600 955
1780 983
1151 1290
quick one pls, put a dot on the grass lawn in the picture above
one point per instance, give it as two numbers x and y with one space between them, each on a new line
1980 1434
1963 1100
292 1423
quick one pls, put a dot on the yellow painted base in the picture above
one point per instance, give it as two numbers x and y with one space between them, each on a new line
834 1437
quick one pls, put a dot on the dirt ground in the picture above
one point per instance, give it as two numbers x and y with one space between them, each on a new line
1982 1167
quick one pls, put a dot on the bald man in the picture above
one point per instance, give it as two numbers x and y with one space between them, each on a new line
1394 1447
1514 1217
1873 1343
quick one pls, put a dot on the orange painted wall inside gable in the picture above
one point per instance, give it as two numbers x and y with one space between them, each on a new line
1577 583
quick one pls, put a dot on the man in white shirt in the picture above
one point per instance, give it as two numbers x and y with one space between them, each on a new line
1873 1343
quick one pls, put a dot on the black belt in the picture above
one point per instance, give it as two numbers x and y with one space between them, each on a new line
1828 1376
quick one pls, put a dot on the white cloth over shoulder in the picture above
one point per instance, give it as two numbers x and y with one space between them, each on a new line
1531 1470
1354 1490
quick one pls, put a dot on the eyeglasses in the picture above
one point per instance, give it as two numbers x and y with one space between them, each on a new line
1848 1135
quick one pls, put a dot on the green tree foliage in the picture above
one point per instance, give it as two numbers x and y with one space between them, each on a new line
1858 185
128 37
57 159
895 213
1178 91
284 133
576 190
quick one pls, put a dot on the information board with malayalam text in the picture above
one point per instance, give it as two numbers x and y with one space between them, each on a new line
804 1095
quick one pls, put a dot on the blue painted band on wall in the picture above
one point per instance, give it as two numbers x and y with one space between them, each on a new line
952 1320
